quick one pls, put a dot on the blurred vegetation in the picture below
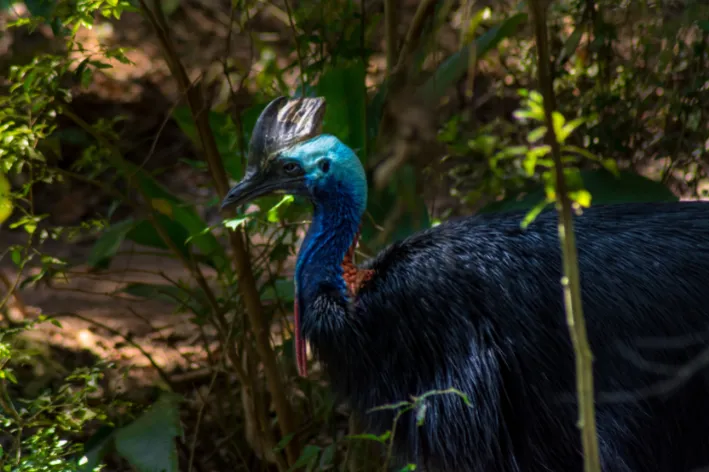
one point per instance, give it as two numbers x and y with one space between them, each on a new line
122 123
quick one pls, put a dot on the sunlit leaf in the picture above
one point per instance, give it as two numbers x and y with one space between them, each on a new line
582 197
5 199
273 215
558 121
162 205
536 134
533 213
234 223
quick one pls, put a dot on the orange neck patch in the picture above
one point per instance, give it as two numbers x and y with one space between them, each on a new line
355 278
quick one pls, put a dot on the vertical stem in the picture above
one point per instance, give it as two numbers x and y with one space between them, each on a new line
247 282
571 279
390 34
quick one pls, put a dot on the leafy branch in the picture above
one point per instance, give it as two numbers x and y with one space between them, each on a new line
247 281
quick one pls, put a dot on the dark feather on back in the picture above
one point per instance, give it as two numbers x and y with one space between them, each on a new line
476 304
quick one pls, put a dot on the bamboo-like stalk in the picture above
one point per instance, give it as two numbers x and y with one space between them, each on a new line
570 280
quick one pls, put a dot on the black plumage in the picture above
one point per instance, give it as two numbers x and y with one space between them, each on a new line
476 305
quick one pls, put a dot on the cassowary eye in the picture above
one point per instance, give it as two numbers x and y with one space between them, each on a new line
291 168
324 165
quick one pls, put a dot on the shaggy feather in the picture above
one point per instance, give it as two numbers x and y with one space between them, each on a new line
476 304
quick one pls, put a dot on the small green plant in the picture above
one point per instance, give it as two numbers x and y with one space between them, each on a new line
38 434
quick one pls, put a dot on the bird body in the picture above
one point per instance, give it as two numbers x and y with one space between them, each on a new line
476 305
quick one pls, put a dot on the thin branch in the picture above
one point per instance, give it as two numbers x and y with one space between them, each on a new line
247 283
571 280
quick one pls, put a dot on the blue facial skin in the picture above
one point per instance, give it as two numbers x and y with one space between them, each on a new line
336 184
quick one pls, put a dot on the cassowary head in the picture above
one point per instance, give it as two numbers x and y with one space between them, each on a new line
288 155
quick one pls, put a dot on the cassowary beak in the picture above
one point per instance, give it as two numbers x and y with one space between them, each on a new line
251 187
282 124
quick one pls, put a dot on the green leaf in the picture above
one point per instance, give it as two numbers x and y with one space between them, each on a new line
170 6
628 187
453 68
6 4
96 448
345 90
703 25
533 213
421 413
604 187
144 233
533 156
570 45
307 457
201 236
108 243
41 8
148 443
234 223
558 121
536 134
285 440
16 257
5 199
383 203
408 468
382 438
226 136
181 222
328 456
284 290
273 213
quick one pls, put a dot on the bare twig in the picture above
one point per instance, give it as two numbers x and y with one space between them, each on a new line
571 280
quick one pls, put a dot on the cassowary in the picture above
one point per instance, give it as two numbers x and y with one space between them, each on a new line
476 305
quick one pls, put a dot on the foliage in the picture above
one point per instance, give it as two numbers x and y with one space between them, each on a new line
38 429
608 124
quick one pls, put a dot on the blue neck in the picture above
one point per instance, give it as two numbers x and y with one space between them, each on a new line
333 228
